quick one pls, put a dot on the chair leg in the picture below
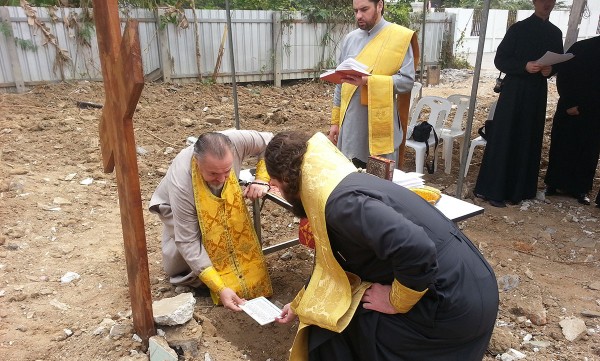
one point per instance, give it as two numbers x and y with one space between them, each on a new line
447 155
419 160
469 157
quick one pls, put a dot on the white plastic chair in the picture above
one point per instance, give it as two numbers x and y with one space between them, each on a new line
456 130
439 110
479 140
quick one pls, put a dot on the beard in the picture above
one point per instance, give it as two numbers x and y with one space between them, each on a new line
215 189
297 206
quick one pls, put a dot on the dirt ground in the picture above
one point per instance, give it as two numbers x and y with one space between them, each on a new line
59 213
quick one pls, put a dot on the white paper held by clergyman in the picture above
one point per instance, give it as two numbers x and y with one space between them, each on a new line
551 58
261 310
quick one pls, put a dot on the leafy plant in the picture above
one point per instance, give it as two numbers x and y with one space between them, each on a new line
26 44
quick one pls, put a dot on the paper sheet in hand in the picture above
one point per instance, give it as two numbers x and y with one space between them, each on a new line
261 310
551 58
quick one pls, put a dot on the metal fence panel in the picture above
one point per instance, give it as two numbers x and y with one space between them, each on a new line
304 49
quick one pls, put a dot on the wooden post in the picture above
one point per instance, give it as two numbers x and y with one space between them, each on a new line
220 55
163 45
574 21
123 83
12 51
277 51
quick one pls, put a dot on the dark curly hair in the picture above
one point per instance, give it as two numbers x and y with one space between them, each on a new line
283 157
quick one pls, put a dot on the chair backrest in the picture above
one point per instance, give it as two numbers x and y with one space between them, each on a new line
439 109
414 95
462 106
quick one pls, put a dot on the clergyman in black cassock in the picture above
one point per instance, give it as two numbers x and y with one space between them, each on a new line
428 292
575 140
511 160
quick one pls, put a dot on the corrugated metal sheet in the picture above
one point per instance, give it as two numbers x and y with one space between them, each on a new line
304 48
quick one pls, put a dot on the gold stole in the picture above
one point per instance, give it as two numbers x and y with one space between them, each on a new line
229 238
383 55
332 295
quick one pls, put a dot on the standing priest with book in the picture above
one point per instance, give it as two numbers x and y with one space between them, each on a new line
393 279
365 119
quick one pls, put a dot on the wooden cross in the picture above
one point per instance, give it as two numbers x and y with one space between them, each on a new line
123 83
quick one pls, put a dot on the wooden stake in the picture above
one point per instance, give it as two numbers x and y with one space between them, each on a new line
123 83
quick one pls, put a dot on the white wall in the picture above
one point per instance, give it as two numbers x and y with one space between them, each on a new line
465 44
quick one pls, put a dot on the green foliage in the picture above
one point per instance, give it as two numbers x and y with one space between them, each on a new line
26 44
398 13
494 4
5 28
450 61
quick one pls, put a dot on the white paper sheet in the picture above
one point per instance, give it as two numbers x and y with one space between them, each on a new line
551 58
261 310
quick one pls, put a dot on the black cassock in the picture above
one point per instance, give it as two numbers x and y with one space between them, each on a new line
381 232
575 141
511 160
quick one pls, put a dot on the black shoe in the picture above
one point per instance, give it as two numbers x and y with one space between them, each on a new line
480 196
583 199
551 191
499 204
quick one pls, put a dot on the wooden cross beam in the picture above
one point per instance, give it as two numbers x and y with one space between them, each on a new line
123 83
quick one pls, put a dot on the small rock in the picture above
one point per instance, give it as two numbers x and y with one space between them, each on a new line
573 328
286 256
588 313
213 120
186 122
69 277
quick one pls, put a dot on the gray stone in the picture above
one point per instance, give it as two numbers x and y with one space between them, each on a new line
588 313
186 122
160 351
572 328
594 286
118 330
539 343
508 282
103 327
175 310
188 347
213 120
511 355
585 242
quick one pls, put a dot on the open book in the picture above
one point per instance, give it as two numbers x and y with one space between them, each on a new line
349 66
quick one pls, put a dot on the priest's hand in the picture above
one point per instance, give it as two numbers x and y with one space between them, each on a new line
546 70
356 80
287 315
230 299
533 67
377 298
256 189
334 131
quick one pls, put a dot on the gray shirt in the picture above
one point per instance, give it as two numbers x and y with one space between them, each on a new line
353 138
